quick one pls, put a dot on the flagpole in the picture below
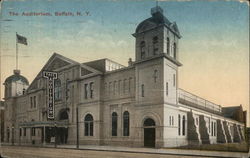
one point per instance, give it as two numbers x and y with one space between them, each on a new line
16 53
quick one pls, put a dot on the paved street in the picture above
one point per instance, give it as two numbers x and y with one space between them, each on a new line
108 152
35 152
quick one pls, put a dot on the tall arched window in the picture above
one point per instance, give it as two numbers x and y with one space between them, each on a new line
174 47
58 91
142 47
88 125
183 125
155 45
126 123
114 123
168 45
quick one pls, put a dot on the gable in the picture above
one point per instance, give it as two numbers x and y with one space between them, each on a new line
57 63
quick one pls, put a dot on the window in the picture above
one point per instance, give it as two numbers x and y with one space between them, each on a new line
86 91
67 89
174 80
110 88
166 88
34 101
171 120
174 47
31 102
119 86
129 84
58 89
142 46
106 88
179 124
91 89
114 123
168 44
155 75
115 88
212 128
155 47
124 85
183 125
142 90
24 132
20 132
126 123
209 126
88 124
33 131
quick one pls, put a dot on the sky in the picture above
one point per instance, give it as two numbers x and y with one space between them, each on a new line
214 48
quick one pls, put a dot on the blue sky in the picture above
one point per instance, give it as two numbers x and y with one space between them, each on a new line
214 48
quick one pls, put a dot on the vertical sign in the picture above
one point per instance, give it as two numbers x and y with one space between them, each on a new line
51 76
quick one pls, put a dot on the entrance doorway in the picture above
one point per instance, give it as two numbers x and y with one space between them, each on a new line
149 133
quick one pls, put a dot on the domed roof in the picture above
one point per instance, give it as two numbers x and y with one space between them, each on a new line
157 19
16 77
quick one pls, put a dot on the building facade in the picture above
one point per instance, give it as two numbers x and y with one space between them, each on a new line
105 103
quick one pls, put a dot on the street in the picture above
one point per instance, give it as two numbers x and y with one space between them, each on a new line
35 152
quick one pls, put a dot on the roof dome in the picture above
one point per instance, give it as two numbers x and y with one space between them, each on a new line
157 19
16 77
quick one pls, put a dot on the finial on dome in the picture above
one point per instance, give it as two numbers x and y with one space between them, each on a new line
16 72
156 10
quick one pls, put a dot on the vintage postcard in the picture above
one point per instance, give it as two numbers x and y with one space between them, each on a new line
124 78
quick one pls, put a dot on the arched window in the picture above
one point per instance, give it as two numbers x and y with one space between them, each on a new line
183 125
155 45
114 123
63 115
174 47
88 124
142 47
58 91
179 124
168 45
126 123
149 122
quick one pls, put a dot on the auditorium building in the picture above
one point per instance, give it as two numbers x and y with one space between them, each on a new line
102 102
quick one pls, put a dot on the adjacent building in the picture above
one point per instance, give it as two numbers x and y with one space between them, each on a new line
105 103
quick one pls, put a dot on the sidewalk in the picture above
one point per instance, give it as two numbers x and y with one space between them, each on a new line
152 151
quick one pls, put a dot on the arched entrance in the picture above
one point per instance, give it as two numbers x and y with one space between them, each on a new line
62 132
149 132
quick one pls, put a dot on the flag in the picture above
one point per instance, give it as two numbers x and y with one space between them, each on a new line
21 39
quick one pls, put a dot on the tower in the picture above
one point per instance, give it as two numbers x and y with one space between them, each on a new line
157 35
156 58
15 85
